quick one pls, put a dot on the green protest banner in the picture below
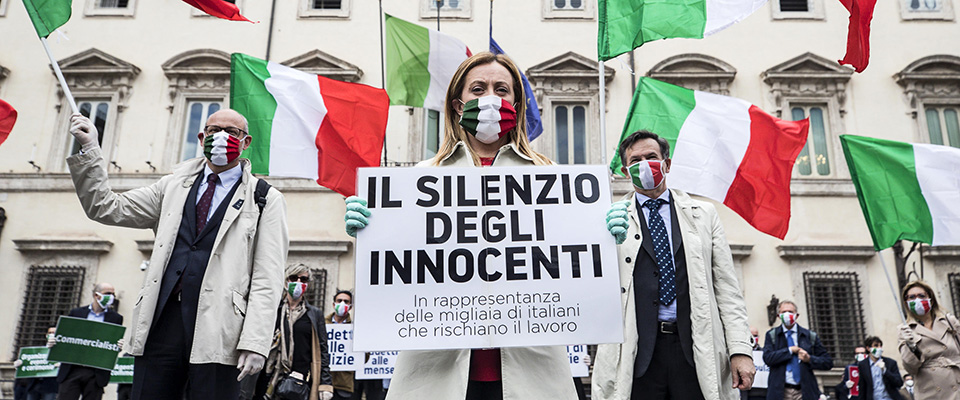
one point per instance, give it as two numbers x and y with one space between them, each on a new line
85 342
123 371
35 364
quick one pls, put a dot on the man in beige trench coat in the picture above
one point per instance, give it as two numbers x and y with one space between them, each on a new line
685 323
204 316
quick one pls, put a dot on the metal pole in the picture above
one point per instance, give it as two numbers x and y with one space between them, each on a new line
490 39
383 72
273 12
439 3
896 297
63 82
603 112
633 75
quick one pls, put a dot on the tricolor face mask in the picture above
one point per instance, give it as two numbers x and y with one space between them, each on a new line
788 318
341 309
221 148
488 118
647 174
876 351
919 306
861 357
296 289
105 300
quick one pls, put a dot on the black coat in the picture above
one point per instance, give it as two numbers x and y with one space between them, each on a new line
776 354
891 379
103 376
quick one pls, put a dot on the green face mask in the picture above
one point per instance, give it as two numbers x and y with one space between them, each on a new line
106 300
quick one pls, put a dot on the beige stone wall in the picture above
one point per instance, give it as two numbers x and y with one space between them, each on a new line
42 207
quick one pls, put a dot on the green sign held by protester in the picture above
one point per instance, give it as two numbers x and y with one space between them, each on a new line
35 363
122 371
85 342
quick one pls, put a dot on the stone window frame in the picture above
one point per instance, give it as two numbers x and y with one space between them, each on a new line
569 78
417 145
588 12
91 9
932 80
91 74
815 11
321 63
427 12
696 71
803 259
809 79
946 13
306 11
943 261
194 75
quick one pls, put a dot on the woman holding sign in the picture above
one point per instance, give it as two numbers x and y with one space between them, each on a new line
485 125
298 359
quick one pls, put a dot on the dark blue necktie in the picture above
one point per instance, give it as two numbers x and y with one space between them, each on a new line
661 250
794 365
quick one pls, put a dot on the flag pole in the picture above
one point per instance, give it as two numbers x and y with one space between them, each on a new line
490 38
63 82
896 298
383 71
603 116
439 2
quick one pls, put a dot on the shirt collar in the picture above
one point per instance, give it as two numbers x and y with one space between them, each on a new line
227 178
96 313
792 329
665 196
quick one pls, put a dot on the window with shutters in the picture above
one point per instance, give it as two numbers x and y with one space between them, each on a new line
97 110
814 158
107 8
570 125
198 83
567 9
449 9
51 291
797 9
835 312
943 126
317 289
954 280
426 136
197 113
926 10
324 9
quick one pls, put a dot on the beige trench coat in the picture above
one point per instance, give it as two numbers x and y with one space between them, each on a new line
937 372
718 315
244 278
528 373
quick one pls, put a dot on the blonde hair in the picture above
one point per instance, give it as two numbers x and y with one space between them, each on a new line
454 133
934 304
297 269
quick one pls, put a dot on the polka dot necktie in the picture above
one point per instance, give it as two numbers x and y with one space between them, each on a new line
661 250
203 206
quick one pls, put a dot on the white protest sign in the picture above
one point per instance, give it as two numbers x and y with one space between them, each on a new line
763 371
575 355
378 366
340 346
486 257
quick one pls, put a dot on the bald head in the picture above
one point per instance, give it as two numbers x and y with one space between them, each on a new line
226 117
104 287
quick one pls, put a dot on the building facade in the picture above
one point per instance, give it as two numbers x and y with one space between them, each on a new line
149 73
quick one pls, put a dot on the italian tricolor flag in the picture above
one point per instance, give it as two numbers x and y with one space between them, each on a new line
722 148
420 63
907 191
627 24
308 126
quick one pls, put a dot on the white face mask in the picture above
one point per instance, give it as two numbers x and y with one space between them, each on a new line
876 352
909 383
861 357
105 300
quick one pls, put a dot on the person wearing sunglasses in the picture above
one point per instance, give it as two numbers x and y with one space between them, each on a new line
216 270
299 350
929 344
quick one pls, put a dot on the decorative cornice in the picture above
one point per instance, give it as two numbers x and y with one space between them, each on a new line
307 247
798 187
933 77
695 71
95 70
942 252
807 75
145 246
61 182
65 244
741 251
326 65
807 252
568 65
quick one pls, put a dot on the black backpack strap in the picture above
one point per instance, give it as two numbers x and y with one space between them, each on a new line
260 195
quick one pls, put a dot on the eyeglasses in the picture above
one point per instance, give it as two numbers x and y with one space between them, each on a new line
294 278
345 301
235 132
921 296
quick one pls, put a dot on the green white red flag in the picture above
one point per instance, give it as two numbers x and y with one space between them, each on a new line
420 63
906 191
308 126
8 117
219 9
48 15
723 148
